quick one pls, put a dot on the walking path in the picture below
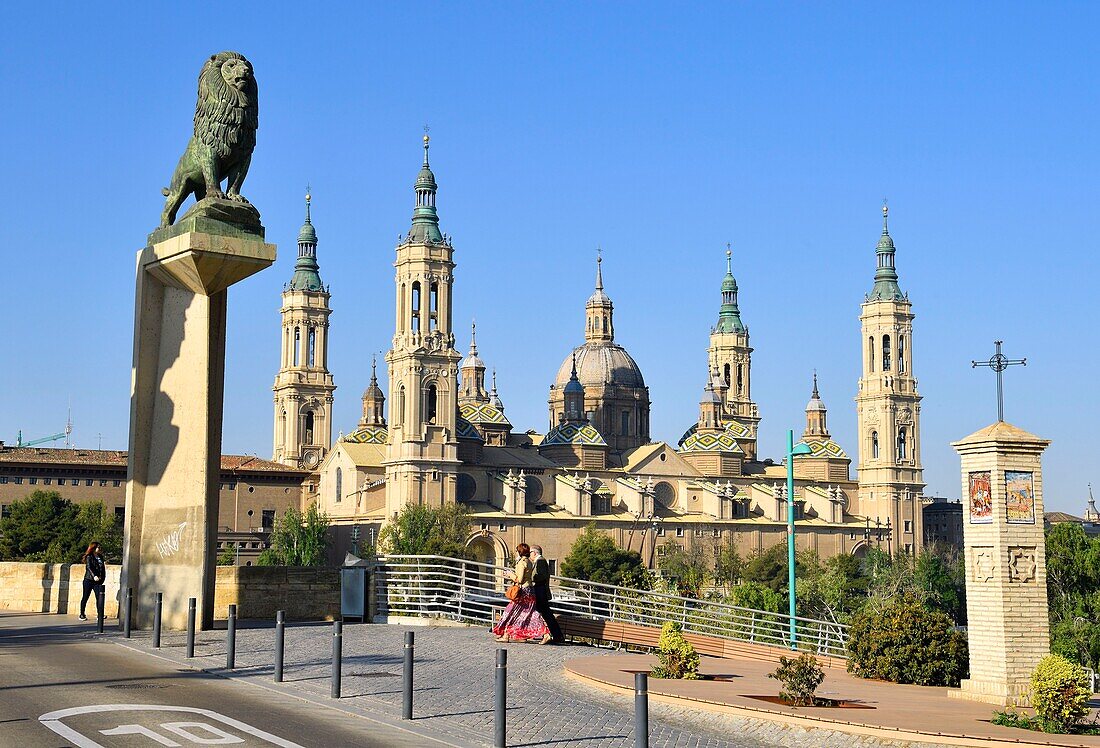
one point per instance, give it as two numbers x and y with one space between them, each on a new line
453 698
912 713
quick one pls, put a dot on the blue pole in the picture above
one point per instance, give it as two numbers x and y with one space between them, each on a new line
790 534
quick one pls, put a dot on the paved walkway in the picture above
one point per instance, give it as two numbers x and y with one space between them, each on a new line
454 692
912 709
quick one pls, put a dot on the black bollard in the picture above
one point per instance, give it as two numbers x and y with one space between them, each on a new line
500 698
190 627
99 603
280 618
231 638
641 710
407 686
129 612
156 620
337 652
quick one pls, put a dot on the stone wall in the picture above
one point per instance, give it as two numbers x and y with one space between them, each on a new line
52 588
305 593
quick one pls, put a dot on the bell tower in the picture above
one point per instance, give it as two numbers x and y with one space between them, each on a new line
730 355
421 456
891 483
304 386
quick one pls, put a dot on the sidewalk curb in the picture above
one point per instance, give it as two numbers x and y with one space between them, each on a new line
432 734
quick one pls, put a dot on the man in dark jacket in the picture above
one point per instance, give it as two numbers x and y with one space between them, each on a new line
541 590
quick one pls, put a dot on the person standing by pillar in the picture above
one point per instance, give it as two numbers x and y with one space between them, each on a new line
541 590
95 576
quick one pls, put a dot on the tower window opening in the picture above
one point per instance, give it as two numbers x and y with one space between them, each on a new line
901 353
401 307
431 400
400 414
297 345
886 353
312 346
416 306
309 427
726 374
339 485
871 353
740 378
874 445
902 444
286 346
433 306
626 423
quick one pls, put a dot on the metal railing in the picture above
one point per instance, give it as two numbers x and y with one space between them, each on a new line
469 591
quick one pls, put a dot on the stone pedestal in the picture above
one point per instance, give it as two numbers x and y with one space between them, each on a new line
176 411
1005 555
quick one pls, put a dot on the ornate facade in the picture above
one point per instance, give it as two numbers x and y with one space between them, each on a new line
304 386
448 439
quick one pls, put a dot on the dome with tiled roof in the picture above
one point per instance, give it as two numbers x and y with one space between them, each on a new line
570 432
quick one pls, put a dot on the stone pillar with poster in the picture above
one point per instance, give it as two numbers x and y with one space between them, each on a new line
1005 555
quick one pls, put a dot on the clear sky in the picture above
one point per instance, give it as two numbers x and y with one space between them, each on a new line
656 131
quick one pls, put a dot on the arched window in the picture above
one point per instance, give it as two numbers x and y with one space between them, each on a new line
886 353
901 353
871 353
625 423
433 306
339 485
874 445
902 443
312 346
726 373
430 401
309 427
740 378
399 415
416 306
286 346
297 345
282 428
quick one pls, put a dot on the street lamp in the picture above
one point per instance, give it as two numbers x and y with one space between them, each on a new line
792 450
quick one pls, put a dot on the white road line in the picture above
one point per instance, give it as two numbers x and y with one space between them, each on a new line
52 720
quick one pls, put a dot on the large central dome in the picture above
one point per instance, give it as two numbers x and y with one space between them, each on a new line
599 364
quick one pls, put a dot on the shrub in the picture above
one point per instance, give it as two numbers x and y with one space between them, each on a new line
595 558
906 642
298 539
1060 692
676 658
420 530
800 677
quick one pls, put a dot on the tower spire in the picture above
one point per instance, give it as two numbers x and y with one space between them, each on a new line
598 311
425 223
815 415
729 315
886 277
307 275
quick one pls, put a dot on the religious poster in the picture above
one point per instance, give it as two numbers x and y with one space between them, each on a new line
1020 504
981 498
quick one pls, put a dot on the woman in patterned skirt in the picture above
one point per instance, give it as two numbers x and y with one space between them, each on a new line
520 621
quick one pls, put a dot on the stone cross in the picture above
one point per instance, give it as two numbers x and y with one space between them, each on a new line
998 362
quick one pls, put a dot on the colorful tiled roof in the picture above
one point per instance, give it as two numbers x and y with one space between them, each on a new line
723 441
733 429
368 435
466 430
482 413
574 433
824 448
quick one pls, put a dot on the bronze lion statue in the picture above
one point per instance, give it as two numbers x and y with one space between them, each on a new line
226 118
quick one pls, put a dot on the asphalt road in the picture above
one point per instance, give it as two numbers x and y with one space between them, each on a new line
59 688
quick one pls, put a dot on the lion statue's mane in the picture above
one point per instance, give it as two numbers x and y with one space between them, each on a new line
226 119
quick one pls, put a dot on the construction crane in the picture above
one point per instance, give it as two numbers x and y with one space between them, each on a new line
63 435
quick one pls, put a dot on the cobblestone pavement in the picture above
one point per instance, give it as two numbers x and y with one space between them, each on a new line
453 694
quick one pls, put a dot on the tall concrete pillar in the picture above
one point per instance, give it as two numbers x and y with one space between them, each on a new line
1005 555
176 410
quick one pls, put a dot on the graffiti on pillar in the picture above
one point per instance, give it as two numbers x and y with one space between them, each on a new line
169 544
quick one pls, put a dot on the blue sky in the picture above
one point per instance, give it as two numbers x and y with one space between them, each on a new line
657 131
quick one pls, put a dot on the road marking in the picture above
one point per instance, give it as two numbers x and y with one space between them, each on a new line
53 721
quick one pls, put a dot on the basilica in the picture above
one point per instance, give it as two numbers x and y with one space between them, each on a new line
439 434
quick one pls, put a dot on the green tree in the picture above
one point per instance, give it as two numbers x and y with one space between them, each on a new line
1073 593
228 557
907 642
728 564
595 557
690 568
46 528
756 596
298 539
831 591
420 530
769 568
